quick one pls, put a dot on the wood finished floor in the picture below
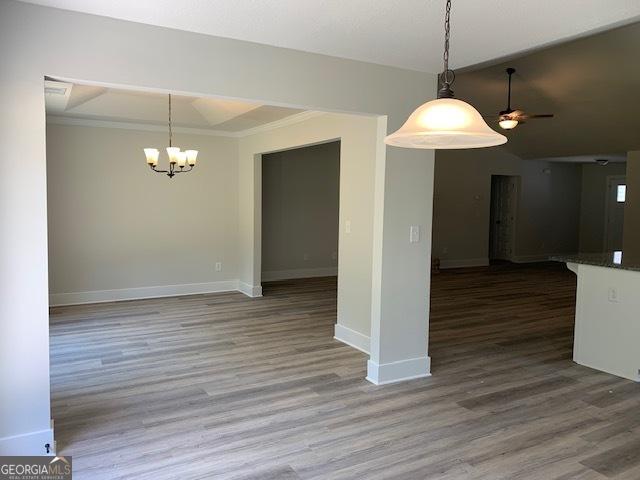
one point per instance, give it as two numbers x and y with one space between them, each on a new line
224 386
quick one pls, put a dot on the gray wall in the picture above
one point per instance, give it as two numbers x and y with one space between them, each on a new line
300 199
548 206
113 224
593 204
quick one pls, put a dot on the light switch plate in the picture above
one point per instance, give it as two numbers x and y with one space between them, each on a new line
414 234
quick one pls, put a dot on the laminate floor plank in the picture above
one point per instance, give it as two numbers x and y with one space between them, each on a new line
228 387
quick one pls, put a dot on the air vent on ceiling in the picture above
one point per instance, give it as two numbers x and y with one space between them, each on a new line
55 90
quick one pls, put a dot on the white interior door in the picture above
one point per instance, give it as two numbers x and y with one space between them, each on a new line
614 221
504 194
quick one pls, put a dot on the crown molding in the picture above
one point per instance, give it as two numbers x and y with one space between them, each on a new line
290 120
147 127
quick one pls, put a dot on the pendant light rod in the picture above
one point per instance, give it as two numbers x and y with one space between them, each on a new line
510 71
170 131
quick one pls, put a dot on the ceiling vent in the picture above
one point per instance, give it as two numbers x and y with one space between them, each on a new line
55 90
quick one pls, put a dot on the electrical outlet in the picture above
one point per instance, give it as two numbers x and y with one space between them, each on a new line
347 226
218 266
613 295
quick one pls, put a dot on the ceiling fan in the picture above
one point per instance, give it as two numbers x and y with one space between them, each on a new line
509 118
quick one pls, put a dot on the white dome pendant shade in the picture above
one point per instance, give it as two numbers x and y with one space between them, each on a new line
445 123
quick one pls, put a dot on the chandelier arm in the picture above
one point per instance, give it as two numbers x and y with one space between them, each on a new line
182 170
158 171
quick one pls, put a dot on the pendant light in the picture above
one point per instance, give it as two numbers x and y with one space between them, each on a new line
445 123
178 160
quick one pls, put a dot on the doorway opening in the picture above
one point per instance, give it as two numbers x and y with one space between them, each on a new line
614 212
300 208
502 217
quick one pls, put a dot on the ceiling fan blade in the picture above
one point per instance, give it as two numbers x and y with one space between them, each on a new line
541 115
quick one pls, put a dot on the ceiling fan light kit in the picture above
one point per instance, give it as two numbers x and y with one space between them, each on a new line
445 123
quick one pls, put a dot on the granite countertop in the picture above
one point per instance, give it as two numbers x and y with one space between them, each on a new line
604 259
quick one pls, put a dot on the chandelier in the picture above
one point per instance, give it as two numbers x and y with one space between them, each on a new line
178 160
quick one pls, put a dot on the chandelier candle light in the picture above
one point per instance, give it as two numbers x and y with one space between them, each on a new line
445 123
178 160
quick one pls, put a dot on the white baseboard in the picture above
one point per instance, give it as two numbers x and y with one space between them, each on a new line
299 273
100 296
381 374
352 338
32 443
532 258
464 262
250 290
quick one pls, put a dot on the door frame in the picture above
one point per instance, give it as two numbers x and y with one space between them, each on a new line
609 179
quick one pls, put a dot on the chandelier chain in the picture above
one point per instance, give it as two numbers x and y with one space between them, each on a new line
447 77
447 29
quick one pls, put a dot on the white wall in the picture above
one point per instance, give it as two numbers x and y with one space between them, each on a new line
118 230
300 204
607 333
132 55
593 204
548 206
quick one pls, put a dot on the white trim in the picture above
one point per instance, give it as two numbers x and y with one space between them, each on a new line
544 257
352 338
290 120
100 296
412 368
610 179
299 273
252 291
464 262
31 443
145 127
150 127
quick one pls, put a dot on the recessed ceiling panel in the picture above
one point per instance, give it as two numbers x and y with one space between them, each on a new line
88 102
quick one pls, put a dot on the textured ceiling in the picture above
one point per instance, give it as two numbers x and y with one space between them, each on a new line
591 85
403 33
106 104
